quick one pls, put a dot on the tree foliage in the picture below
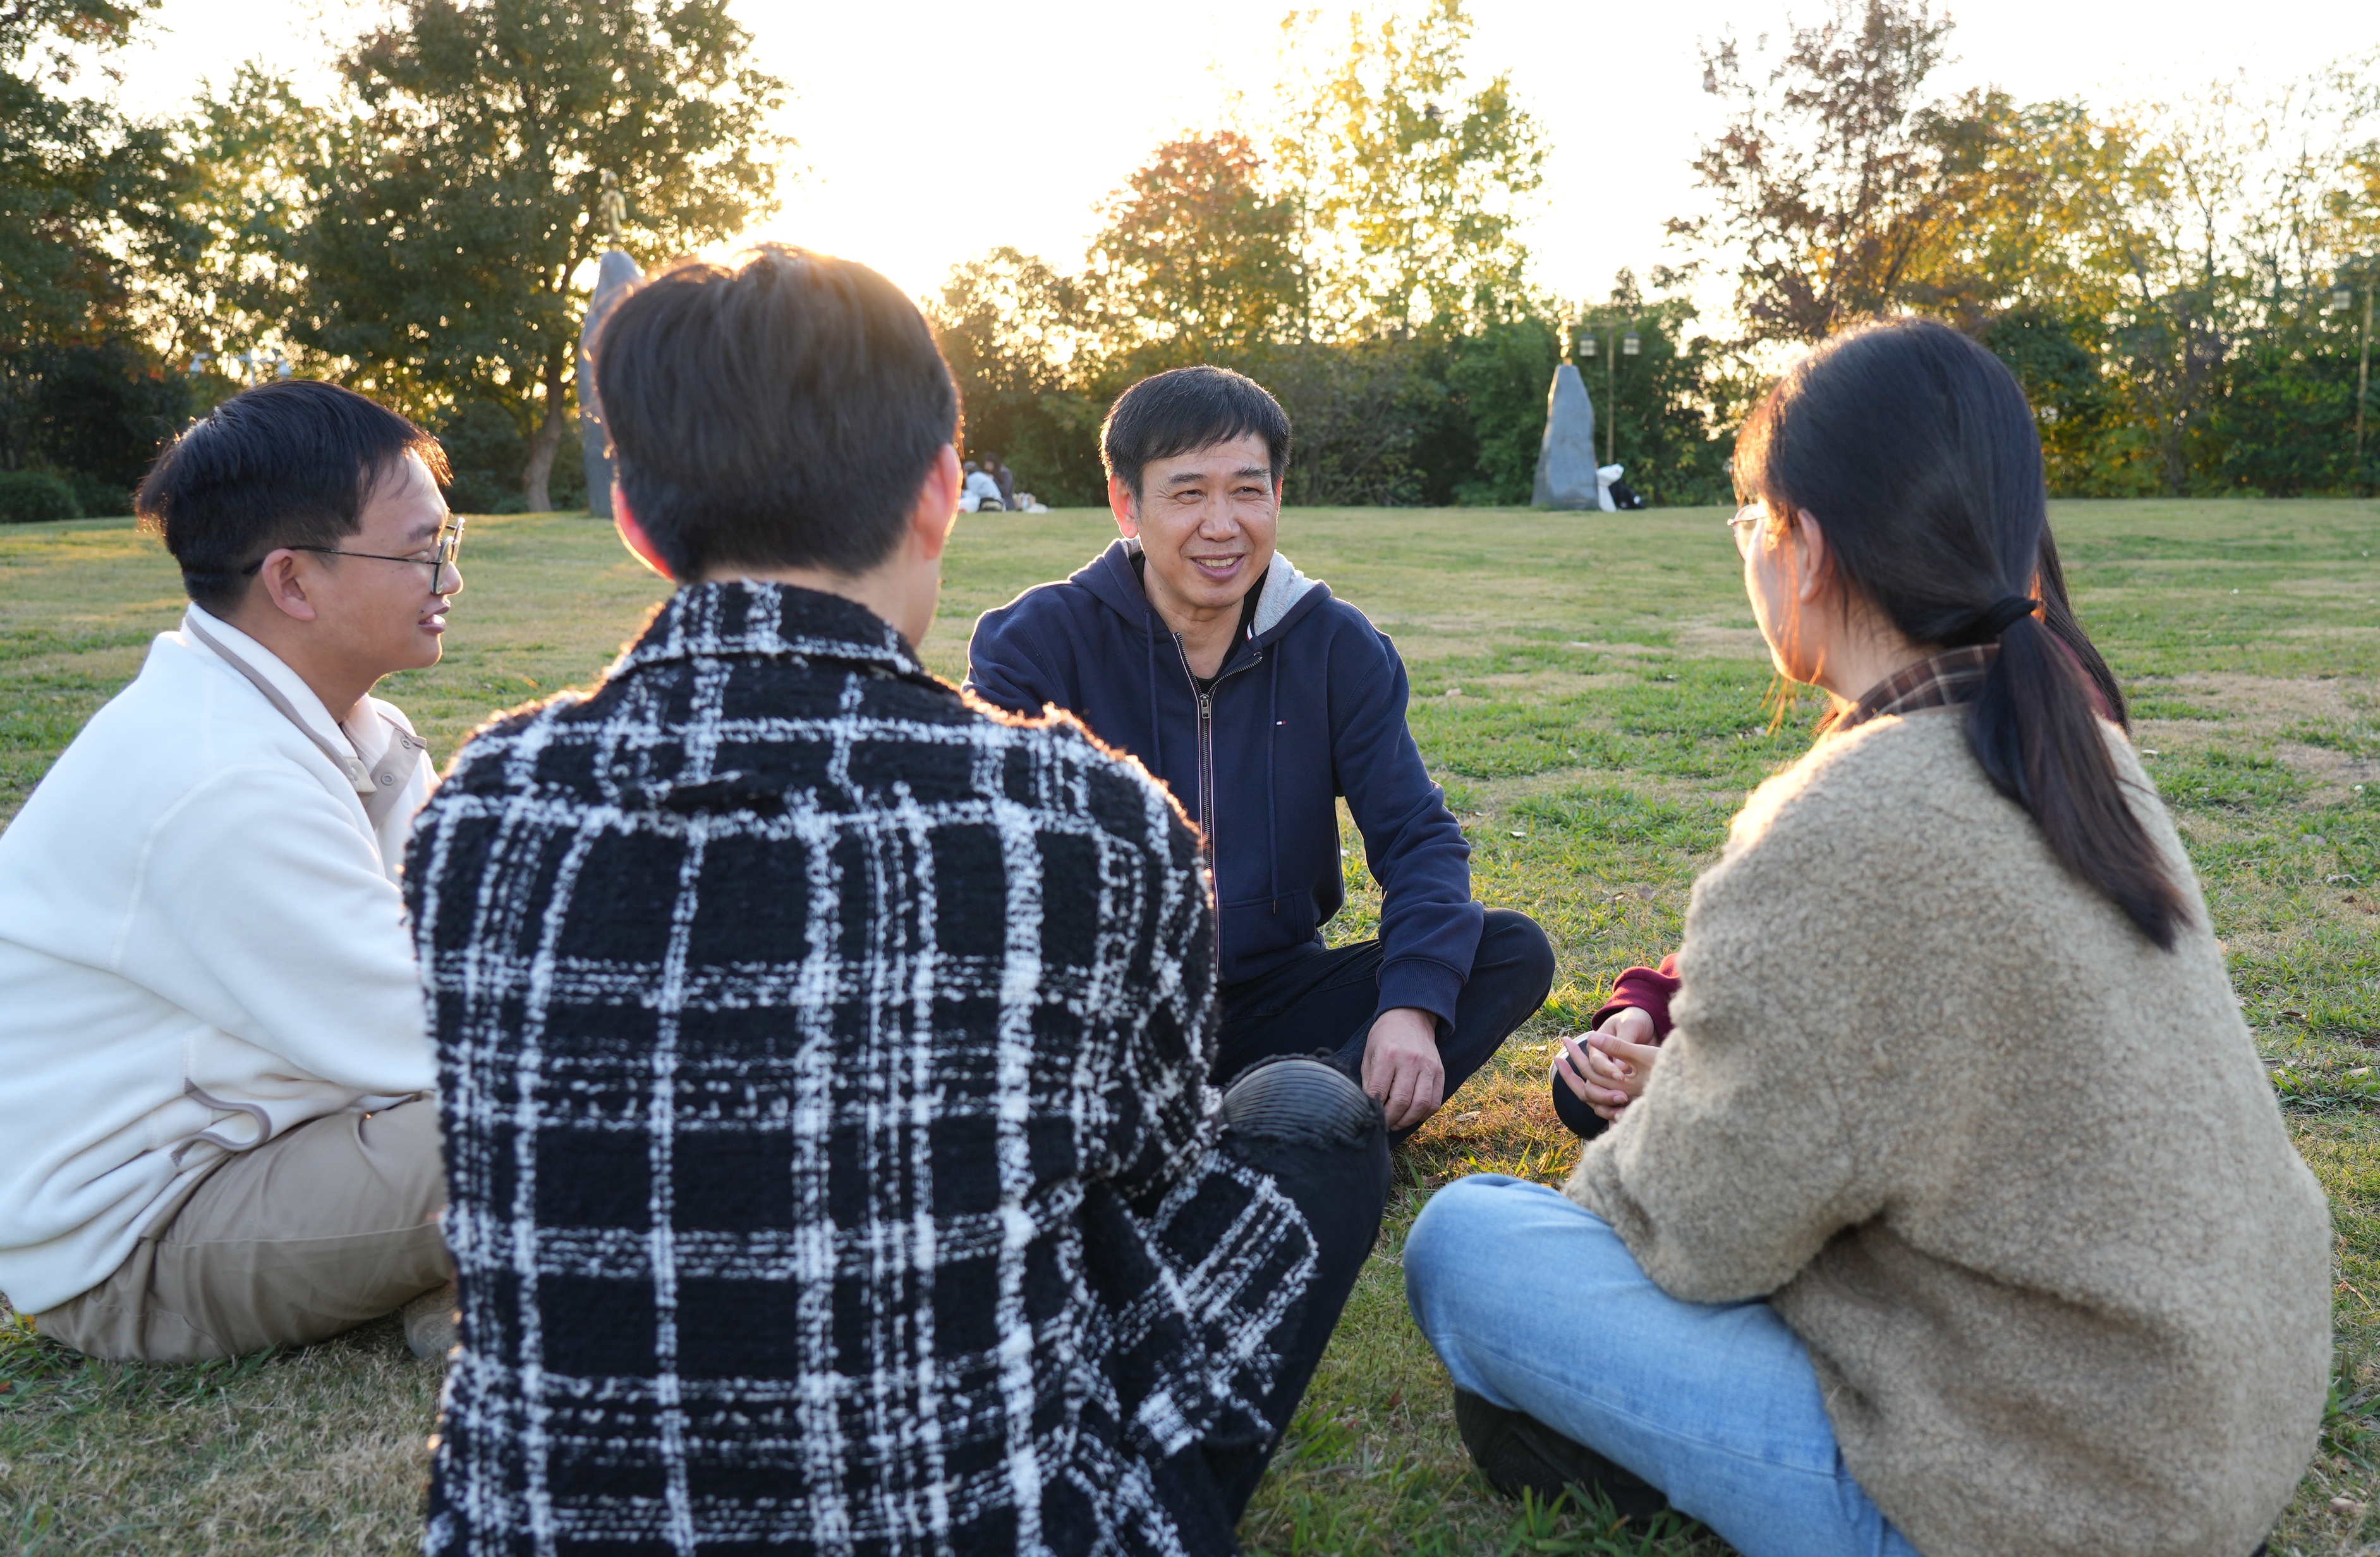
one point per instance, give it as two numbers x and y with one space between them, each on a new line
2150 272
1356 252
74 174
1407 181
434 225
1195 259
2157 276
1828 171
90 206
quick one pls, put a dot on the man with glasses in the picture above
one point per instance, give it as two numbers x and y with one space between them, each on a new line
216 1114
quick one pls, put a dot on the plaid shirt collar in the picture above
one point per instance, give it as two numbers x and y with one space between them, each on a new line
1950 676
744 618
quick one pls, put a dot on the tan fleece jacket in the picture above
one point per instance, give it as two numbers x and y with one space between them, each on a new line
2013 1174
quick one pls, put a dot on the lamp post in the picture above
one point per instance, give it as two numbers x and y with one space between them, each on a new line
2356 267
1628 345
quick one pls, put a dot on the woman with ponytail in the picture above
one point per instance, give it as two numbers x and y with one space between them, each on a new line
1953 1214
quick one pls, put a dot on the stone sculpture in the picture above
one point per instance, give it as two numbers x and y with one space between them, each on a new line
615 274
1566 463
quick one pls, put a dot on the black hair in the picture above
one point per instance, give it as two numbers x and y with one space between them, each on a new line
1190 408
1915 448
287 464
780 413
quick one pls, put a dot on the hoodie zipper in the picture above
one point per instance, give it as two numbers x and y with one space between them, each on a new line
1207 758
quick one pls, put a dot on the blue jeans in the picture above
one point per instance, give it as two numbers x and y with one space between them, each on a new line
1534 1305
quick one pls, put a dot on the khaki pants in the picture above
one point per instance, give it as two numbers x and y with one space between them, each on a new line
315 1232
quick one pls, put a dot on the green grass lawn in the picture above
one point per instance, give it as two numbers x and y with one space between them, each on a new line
1591 692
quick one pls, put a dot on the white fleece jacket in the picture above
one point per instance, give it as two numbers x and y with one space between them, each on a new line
201 945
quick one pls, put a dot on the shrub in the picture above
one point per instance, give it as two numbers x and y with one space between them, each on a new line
34 497
98 498
485 449
486 452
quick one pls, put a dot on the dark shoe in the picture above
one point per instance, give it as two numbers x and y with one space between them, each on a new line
430 1323
1518 1453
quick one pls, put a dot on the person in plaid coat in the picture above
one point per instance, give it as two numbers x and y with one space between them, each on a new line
822 1054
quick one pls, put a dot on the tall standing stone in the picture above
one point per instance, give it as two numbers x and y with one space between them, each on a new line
1566 460
615 277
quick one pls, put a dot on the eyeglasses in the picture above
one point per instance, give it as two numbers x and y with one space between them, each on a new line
1746 524
442 557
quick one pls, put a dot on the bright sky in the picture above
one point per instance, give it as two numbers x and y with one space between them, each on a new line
931 130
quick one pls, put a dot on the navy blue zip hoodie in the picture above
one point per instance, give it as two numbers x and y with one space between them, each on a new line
1309 705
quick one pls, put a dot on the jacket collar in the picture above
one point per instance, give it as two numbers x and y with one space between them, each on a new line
742 619
1288 594
280 685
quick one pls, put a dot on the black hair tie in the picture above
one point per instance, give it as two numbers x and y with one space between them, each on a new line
1987 624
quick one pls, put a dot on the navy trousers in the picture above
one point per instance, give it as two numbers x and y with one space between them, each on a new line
1326 1000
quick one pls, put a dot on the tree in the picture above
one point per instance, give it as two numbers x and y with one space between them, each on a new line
74 174
1194 259
1020 341
251 149
1828 172
101 412
88 207
1407 191
447 239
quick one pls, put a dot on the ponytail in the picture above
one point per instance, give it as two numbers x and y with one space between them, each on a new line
2032 727
2058 615
1917 448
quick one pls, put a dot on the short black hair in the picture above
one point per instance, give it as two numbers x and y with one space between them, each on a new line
285 463
782 413
1190 408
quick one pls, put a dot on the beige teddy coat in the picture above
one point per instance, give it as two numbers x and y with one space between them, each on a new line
2014 1175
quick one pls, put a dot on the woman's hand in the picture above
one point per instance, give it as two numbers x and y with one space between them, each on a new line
1608 1071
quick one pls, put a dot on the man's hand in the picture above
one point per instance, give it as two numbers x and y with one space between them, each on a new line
1402 1067
1608 1071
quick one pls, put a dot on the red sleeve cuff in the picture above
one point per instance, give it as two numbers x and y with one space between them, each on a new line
1648 990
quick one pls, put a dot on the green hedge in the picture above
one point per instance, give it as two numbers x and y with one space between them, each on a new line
98 498
31 497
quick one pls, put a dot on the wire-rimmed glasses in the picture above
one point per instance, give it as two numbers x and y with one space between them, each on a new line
441 556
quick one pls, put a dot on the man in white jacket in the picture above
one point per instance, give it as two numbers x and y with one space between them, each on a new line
217 1131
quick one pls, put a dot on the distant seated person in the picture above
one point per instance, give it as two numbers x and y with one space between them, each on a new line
836 1168
1194 645
998 471
216 1114
982 492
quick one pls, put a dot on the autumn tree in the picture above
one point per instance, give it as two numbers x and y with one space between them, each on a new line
1829 173
1194 261
446 234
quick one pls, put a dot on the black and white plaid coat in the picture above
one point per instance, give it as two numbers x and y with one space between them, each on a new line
822 1061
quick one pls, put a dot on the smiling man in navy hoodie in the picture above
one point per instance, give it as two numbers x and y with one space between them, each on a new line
1259 700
